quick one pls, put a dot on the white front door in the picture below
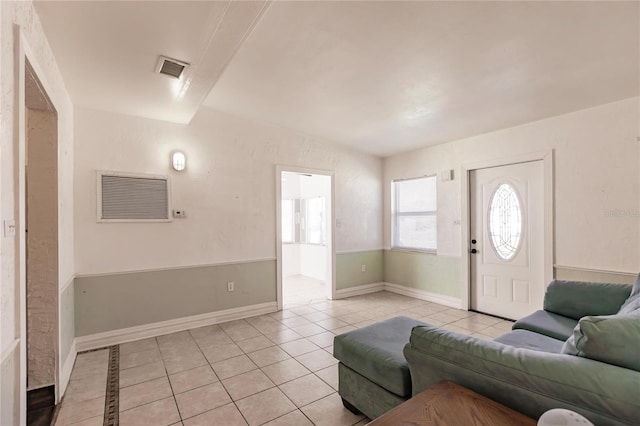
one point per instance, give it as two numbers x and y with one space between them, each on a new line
507 239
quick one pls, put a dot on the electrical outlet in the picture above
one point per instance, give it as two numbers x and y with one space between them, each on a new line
230 286
364 268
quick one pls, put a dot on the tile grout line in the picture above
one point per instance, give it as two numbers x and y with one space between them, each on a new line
173 394
277 344
112 395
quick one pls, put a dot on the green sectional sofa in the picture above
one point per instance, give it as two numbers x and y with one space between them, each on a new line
582 353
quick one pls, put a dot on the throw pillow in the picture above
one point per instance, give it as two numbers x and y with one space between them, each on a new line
632 303
614 339
636 287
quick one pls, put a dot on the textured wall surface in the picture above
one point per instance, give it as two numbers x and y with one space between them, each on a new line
114 301
42 247
349 268
227 190
67 320
596 182
424 271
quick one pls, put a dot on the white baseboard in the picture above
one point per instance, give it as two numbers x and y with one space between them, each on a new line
417 293
124 335
452 302
359 290
67 368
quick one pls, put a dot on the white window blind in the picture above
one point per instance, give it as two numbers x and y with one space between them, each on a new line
132 198
288 222
315 220
415 213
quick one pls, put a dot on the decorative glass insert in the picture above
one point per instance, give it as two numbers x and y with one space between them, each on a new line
505 221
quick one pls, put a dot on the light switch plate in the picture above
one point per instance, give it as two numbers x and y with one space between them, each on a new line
9 228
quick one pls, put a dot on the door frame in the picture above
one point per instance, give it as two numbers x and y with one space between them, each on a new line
23 53
332 232
548 238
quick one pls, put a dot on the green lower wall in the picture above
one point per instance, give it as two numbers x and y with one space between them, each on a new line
349 268
96 304
115 301
67 320
424 271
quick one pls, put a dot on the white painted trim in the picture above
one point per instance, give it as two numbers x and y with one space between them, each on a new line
67 368
173 268
400 289
597 271
124 335
359 251
9 350
360 290
23 51
547 158
417 293
67 284
331 241
100 173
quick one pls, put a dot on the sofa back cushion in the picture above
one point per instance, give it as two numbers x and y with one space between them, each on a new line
614 339
576 299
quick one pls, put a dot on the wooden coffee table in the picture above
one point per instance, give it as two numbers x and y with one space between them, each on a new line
447 404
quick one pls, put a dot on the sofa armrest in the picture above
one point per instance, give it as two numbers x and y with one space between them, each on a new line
576 299
528 381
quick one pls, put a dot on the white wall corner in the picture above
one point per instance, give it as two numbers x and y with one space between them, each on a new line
417 293
67 368
129 334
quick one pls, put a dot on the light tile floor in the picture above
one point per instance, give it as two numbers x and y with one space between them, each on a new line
300 289
274 369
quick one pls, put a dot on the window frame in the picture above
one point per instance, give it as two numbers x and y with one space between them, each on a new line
395 214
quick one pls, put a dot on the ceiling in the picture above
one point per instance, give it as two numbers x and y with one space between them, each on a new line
379 77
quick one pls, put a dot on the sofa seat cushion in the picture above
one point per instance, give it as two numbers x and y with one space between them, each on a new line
375 352
547 323
529 340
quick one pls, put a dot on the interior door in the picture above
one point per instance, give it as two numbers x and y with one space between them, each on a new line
507 239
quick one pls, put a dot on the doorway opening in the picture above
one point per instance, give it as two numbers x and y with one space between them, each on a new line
305 255
41 248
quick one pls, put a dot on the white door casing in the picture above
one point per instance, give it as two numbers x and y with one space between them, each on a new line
331 231
507 270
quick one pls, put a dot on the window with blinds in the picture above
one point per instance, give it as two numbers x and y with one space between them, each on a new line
414 214
132 198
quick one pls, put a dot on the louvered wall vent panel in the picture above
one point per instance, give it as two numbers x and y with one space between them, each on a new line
126 198
171 67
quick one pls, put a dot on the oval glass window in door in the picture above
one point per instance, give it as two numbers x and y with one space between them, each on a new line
505 221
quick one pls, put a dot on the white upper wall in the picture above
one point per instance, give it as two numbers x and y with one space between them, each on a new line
227 190
597 182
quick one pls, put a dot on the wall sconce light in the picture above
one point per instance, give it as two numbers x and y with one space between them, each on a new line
178 161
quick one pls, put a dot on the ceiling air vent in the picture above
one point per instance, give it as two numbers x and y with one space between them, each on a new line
171 67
